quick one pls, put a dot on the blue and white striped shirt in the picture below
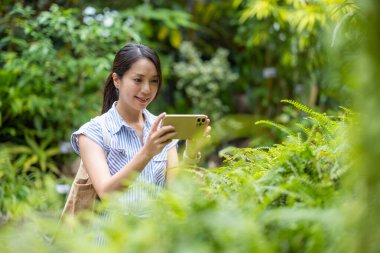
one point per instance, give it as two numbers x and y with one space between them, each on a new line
124 144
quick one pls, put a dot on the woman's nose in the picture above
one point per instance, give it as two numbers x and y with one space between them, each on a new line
146 88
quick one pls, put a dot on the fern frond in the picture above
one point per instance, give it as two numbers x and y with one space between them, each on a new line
299 106
324 121
321 117
349 116
303 128
338 171
263 148
327 132
346 110
276 125
312 132
292 168
299 139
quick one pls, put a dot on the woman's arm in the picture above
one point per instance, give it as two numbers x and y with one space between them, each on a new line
194 146
172 164
94 159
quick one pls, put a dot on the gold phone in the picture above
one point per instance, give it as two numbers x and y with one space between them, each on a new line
187 126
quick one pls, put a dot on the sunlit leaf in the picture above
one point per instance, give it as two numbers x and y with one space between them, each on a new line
163 32
175 38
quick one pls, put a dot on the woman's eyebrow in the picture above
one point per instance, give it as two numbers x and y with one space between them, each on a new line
137 74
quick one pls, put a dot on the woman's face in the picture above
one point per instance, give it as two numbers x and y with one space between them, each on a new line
139 85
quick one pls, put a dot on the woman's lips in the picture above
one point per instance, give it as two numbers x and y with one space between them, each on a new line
142 100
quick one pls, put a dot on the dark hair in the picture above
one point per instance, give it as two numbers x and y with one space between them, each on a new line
123 61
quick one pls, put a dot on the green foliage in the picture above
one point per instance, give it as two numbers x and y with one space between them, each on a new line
284 196
306 162
24 189
281 198
34 157
53 66
287 35
55 58
13 186
204 81
169 22
363 209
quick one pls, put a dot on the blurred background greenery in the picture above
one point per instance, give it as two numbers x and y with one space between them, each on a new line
234 60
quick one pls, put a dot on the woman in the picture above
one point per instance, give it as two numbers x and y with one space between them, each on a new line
139 150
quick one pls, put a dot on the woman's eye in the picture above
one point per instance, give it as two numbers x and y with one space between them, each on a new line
154 81
137 80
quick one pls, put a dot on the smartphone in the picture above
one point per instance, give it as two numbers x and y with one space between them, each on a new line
187 126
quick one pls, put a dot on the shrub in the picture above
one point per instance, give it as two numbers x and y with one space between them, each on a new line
282 198
204 81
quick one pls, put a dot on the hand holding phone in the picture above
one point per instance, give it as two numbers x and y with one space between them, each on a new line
158 137
187 126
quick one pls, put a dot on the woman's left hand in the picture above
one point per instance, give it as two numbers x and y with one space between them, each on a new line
194 146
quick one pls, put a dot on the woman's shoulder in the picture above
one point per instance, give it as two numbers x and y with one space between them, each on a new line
91 129
93 125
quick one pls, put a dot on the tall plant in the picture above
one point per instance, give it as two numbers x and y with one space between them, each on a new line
364 208
285 39
285 196
204 82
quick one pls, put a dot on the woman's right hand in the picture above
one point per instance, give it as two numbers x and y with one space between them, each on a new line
158 138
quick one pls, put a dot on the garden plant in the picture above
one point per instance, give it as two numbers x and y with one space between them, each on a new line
292 91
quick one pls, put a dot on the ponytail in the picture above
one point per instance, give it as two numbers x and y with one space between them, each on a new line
110 94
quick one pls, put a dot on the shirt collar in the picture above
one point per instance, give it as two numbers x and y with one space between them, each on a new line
114 121
149 119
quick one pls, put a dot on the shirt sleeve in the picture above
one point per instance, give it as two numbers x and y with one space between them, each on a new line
92 130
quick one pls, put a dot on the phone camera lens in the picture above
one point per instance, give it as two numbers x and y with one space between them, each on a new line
199 120
203 120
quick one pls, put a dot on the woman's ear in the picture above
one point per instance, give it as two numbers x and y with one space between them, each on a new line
116 80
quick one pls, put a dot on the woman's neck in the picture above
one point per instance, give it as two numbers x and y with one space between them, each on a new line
130 116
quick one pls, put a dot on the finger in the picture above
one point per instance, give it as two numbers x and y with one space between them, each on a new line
167 137
166 142
157 122
160 136
208 130
162 144
207 122
165 130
